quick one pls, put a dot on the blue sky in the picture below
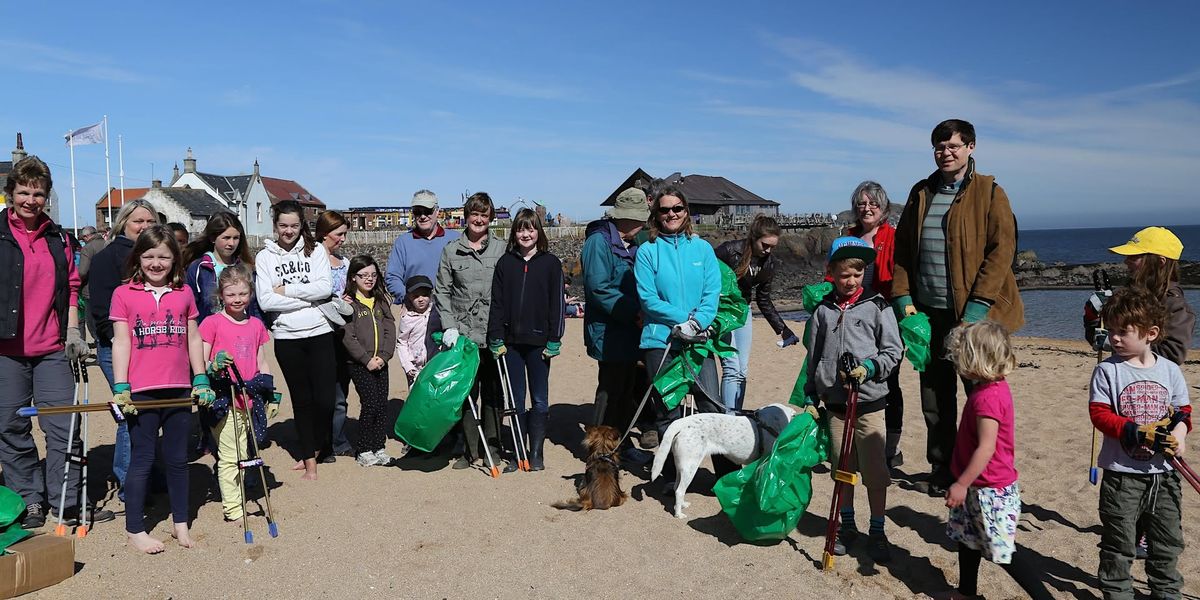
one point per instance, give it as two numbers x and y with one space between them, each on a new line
1088 113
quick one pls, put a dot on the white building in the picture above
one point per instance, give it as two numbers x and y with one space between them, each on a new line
190 207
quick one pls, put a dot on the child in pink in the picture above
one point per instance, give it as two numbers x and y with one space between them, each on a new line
156 348
233 336
418 318
984 500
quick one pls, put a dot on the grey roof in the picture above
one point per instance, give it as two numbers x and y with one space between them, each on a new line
197 202
228 187
700 189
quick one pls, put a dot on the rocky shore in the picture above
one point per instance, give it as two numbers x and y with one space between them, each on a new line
802 262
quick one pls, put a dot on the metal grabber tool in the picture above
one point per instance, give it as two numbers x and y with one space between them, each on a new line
514 415
255 462
843 476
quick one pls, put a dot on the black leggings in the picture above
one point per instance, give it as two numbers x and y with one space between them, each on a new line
372 389
1023 573
308 369
144 444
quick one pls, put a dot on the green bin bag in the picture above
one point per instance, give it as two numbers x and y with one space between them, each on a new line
11 507
766 498
812 295
435 402
916 333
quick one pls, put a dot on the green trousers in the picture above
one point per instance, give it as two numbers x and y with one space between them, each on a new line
1124 499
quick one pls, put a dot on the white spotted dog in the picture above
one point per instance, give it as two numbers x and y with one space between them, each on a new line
741 439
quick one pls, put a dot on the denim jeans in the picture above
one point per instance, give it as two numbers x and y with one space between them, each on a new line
528 371
734 368
120 464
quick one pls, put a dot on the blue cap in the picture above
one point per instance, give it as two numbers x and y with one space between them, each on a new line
851 247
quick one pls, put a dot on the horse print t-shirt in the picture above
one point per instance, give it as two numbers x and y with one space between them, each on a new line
158 334
1143 394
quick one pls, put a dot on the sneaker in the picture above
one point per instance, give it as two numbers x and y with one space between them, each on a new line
845 538
35 516
895 460
326 459
1142 550
461 463
649 439
383 457
878 548
367 459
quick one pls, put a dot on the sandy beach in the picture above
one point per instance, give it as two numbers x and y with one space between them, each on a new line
422 530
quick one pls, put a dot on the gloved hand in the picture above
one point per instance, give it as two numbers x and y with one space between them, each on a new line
811 409
1099 340
788 338
76 348
903 305
497 347
1095 303
861 372
201 391
122 397
450 337
1151 435
975 311
273 405
552 349
689 331
219 363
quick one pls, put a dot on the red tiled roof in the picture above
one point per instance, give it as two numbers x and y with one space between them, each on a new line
286 189
130 194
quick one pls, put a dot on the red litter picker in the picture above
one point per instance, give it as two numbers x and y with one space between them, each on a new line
843 476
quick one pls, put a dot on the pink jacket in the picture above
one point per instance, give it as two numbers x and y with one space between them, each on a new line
39 323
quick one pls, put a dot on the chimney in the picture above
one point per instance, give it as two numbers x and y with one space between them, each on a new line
189 163
256 168
175 173
18 153
155 184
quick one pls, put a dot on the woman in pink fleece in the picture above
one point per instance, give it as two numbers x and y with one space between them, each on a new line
39 338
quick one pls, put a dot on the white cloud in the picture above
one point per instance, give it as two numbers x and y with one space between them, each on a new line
40 58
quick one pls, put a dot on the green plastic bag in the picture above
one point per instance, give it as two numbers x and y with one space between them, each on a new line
732 310
812 296
435 402
11 507
916 333
766 498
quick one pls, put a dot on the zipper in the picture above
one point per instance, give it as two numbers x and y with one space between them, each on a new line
521 297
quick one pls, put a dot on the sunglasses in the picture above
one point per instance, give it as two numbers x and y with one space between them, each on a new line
678 208
421 211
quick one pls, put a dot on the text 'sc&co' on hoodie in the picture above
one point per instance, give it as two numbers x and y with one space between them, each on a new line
306 283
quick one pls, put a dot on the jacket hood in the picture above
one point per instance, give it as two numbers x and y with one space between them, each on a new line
612 235
274 247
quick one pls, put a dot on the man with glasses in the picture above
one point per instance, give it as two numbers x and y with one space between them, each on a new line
417 251
955 246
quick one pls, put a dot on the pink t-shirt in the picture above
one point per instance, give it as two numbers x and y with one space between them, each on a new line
994 401
158 328
241 340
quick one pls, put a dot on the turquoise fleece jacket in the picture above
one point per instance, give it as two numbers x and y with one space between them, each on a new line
677 277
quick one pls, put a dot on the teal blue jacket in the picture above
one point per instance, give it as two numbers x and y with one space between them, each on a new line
677 278
610 330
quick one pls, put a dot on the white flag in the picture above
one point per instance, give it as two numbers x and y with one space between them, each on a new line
92 134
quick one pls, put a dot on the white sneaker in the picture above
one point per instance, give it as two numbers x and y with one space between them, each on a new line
382 458
367 459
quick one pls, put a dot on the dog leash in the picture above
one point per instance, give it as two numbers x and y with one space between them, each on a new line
649 389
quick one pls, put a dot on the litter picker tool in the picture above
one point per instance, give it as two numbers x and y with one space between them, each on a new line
514 416
1179 464
842 476
1100 282
495 472
250 463
111 407
85 515
60 529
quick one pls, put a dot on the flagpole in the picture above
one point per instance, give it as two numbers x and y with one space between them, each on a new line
71 145
121 163
107 170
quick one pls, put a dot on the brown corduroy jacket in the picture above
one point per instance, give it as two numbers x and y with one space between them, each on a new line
981 243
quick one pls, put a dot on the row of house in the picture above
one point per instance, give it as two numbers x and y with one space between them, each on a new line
193 196
373 218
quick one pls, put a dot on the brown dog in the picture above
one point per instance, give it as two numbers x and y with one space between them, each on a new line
600 487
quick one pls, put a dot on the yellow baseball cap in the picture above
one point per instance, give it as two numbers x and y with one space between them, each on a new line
1152 240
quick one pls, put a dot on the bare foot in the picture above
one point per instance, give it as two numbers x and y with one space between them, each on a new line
310 470
144 543
183 536
299 466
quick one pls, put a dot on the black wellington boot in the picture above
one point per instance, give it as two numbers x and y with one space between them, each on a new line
537 437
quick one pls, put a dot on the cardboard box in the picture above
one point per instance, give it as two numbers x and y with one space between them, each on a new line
38 562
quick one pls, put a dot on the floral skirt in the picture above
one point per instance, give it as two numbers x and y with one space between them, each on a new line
987 522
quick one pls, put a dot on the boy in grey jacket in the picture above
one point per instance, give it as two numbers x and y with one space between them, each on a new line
849 320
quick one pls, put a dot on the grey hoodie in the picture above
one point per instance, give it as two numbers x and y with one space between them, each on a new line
306 283
866 329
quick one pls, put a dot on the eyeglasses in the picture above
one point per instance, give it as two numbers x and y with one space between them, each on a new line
861 205
678 208
951 148
366 276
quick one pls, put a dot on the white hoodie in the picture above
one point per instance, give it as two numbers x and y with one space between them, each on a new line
307 283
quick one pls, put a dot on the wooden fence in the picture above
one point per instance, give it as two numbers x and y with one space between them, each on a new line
389 236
